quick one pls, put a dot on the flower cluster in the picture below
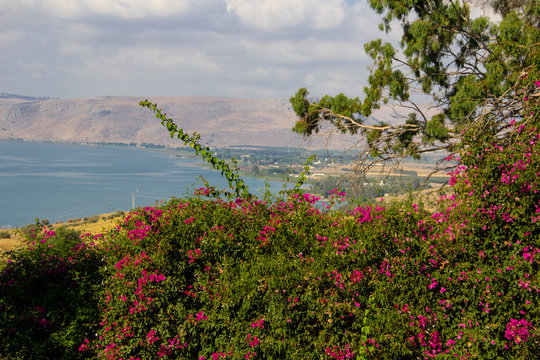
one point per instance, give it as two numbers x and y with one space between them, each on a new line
518 331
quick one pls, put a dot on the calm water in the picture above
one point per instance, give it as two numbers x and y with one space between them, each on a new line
65 181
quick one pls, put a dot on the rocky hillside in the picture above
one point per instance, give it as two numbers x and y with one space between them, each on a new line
220 121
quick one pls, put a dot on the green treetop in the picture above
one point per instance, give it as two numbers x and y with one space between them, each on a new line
467 67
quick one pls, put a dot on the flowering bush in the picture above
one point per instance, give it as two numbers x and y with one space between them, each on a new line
48 296
206 278
211 279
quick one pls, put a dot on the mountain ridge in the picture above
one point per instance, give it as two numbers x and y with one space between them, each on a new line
221 121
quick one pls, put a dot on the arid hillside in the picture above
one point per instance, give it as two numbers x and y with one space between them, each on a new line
220 121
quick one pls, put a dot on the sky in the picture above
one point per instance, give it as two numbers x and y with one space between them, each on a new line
232 48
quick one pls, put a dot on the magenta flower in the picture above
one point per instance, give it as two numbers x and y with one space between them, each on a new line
258 323
518 330
201 316
253 340
84 346
151 336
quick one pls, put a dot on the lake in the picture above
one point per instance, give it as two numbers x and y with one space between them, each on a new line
65 181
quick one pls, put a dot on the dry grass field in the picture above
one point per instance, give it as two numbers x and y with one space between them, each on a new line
422 170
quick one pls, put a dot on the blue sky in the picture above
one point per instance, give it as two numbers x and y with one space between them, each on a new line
235 48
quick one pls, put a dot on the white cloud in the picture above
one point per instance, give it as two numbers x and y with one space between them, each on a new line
35 69
180 47
483 9
10 36
60 8
76 49
334 80
132 9
132 59
33 66
305 51
309 79
278 14
126 9
265 74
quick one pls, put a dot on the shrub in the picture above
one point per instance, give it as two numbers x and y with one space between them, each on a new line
27 230
48 296
93 219
207 278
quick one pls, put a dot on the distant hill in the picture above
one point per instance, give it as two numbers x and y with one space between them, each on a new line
21 97
220 121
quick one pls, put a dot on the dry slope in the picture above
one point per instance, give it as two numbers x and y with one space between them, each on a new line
220 121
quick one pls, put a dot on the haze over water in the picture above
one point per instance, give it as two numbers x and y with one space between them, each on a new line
65 181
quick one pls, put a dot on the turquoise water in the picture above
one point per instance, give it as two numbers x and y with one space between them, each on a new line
65 181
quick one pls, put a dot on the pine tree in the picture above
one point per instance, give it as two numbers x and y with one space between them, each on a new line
468 67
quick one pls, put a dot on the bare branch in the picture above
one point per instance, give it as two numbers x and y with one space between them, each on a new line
330 113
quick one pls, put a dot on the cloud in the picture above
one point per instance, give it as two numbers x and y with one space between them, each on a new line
9 36
279 14
245 48
305 51
171 58
484 9
125 9
58 8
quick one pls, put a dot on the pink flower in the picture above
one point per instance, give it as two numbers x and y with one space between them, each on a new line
84 346
201 316
253 341
258 323
346 353
151 336
518 330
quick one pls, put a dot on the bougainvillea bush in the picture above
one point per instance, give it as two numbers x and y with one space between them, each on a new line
49 292
210 278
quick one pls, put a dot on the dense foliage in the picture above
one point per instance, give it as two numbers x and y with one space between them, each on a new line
209 278
49 292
